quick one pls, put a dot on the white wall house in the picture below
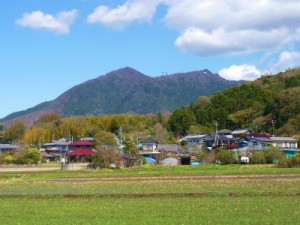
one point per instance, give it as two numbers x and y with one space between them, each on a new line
284 142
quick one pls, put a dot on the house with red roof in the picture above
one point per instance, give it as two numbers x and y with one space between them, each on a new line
81 155
81 151
81 144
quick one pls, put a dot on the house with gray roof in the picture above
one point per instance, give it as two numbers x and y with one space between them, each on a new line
284 142
238 133
260 143
195 140
7 147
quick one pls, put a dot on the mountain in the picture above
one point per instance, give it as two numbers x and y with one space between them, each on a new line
129 91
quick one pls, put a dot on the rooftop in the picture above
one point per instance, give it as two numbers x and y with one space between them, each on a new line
283 139
82 143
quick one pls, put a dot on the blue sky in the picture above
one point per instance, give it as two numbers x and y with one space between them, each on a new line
47 47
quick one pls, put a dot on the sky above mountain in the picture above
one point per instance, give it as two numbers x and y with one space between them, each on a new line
46 47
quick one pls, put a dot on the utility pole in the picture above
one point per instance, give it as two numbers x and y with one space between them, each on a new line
121 131
273 130
216 135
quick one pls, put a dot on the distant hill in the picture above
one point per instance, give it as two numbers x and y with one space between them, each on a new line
129 91
269 104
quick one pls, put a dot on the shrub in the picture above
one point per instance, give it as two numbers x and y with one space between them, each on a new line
32 156
147 166
273 155
258 157
288 163
225 156
6 157
201 155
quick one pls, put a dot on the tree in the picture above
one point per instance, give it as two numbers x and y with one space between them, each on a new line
106 149
15 131
2 136
160 133
181 120
48 117
130 148
203 102
105 156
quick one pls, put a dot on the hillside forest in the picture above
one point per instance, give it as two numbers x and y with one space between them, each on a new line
270 104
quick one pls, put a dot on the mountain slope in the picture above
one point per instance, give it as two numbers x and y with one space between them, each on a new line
129 91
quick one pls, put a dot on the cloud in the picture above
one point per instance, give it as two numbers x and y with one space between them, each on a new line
287 59
230 42
212 27
241 72
123 15
38 20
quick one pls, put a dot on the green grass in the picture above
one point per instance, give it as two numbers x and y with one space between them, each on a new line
205 170
163 210
232 194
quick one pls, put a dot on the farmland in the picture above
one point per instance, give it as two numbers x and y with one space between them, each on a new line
230 194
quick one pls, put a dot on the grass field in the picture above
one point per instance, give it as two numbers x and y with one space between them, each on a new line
231 194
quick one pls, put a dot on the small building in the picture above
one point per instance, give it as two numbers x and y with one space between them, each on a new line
291 152
126 161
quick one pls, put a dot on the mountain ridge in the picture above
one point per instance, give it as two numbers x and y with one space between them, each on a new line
127 90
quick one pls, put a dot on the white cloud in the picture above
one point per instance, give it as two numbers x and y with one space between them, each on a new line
286 60
121 16
214 27
38 20
234 26
230 42
241 72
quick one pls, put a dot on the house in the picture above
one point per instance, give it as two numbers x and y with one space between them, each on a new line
224 132
58 146
221 139
284 142
260 143
195 140
288 144
240 132
80 154
148 148
87 144
53 151
7 147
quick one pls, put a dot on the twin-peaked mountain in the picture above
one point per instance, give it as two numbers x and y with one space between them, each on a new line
129 91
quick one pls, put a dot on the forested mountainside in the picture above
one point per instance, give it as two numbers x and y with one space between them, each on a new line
268 104
129 91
